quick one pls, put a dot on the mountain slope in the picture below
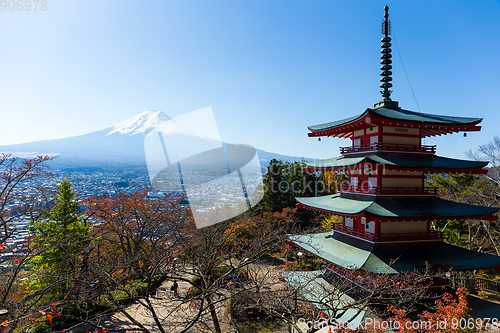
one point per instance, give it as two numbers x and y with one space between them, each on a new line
118 146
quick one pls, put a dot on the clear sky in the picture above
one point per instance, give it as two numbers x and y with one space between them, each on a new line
268 68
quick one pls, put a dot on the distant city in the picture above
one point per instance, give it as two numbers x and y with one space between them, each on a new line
102 182
86 183
111 161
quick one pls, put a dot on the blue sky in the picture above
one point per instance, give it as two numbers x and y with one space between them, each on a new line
268 68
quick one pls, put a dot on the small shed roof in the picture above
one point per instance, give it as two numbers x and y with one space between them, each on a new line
317 288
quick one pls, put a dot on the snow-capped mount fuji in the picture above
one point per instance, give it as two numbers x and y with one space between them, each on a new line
140 124
118 146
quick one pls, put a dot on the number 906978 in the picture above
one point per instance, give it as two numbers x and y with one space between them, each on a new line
23 5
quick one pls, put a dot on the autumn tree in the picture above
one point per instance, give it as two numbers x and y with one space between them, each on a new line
132 228
20 196
489 152
329 221
449 316
330 180
223 270
15 176
140 240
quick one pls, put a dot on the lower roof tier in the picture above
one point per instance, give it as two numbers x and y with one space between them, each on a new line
351 253
389 208
411 162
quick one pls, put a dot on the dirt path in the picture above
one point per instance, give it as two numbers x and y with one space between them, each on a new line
173 312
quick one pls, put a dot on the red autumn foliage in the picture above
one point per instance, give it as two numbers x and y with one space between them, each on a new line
449 317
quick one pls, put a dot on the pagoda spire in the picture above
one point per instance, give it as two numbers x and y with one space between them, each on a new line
386 62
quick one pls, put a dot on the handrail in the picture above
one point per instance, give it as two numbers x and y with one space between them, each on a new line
379 146
355 232
487 284
427 190
393 237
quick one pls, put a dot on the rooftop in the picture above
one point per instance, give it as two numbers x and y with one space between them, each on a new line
427 163
351 253
431 124
387 208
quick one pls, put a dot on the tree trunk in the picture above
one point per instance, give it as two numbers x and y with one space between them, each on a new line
214 315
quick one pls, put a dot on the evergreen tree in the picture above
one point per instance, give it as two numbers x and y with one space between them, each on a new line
61 243
284 181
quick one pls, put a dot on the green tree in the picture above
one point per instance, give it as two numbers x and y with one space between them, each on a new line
478 235
284 181
61 243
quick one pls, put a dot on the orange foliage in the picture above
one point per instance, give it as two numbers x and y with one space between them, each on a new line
449 317
135 229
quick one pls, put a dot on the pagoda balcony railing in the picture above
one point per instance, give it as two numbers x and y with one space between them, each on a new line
374 190
392 237
379 146
355 232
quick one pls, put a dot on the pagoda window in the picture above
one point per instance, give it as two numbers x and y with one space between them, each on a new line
349 222
369 226
356 142
372 181
373 139
354 181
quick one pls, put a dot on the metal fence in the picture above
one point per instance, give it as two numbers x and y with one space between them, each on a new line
488 285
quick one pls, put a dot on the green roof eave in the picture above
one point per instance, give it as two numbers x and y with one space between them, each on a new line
415 161
413 116
402 115
326 246
392 258
337 204
338 123
395 207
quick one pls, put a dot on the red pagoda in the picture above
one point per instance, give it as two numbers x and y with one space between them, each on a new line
386 208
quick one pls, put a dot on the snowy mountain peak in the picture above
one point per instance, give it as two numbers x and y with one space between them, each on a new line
140 124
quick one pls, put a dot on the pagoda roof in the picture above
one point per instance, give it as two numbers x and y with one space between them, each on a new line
396 208
393 258
415 162
432 124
